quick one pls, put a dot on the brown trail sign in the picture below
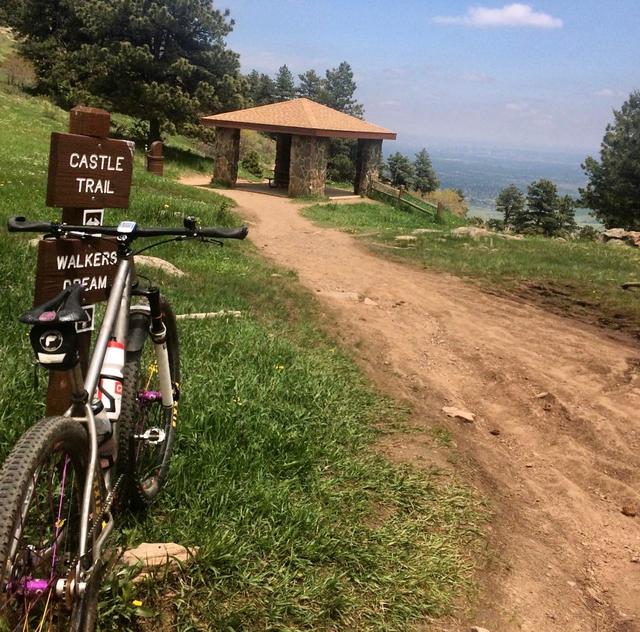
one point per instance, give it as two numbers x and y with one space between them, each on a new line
87 171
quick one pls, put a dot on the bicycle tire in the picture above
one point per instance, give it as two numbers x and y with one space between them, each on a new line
59 441
140 491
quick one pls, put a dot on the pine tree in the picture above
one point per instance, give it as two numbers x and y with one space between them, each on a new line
425 179
567 214
159 60
284 84
311 86
511 203
400 169
613 190
339 88
261 88
542 208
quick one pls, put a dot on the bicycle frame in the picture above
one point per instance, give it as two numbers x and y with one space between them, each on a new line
114 325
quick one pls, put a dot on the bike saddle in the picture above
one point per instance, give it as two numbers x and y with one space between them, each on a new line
64 308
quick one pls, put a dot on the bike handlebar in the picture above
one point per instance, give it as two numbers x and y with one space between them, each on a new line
128 230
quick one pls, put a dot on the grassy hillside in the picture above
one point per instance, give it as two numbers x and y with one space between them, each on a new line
299 526
581 278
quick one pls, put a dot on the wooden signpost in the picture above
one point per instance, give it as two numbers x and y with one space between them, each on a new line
87 172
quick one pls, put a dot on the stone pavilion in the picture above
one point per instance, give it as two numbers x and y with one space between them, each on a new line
302 129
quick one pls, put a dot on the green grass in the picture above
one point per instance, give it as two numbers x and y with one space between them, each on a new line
582 278
299 525
377 217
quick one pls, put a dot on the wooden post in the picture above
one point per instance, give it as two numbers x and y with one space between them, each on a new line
87 170
440 213
155 159
399 196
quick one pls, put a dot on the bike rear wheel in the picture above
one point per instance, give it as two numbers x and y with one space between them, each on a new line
41 485
147 428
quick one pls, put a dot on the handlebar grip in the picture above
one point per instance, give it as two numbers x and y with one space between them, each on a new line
224 233
19 224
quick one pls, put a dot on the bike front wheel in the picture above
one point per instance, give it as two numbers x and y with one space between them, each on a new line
146 427
41 485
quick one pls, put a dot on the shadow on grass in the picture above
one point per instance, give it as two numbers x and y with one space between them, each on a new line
187 159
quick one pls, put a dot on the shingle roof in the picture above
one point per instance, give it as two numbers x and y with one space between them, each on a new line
299 116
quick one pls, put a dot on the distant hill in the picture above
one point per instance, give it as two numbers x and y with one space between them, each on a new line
482 173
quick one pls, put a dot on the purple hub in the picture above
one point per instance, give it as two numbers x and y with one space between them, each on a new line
149 396
35 586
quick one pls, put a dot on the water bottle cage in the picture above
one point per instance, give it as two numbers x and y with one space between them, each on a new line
55 346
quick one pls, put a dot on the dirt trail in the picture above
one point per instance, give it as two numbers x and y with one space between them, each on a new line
564 556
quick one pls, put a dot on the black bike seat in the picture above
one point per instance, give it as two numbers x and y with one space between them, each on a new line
64 308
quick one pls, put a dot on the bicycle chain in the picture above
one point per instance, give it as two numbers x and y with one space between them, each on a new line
105 511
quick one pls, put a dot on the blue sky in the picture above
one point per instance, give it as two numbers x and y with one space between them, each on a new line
527 74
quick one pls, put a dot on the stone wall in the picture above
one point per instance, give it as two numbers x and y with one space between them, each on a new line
226 155
308 172
367 162
283 160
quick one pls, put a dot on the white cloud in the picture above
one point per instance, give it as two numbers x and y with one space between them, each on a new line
510 15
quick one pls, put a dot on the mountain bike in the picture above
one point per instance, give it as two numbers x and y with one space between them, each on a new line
62 482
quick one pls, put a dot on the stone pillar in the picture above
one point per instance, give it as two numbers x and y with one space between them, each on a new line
308 173
283 160
226 156
367 163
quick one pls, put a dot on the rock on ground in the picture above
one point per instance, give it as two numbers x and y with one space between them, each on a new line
159 264
406 238
459 413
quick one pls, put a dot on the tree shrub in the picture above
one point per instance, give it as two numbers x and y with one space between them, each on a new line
251 162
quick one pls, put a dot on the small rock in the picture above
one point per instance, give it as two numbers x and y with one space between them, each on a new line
477 628
509 237
630 509
528 465
406 238
471 231
459 413
276 274
159 264
151 554
495 432
594 595
368 301
635 560
572 584
614 233
542 395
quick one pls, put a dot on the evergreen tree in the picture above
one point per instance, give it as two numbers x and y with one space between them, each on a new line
261 88
567 214
339 88
542 208
511 203
311 86
160 60
400 169
613 190
426 179
284 84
